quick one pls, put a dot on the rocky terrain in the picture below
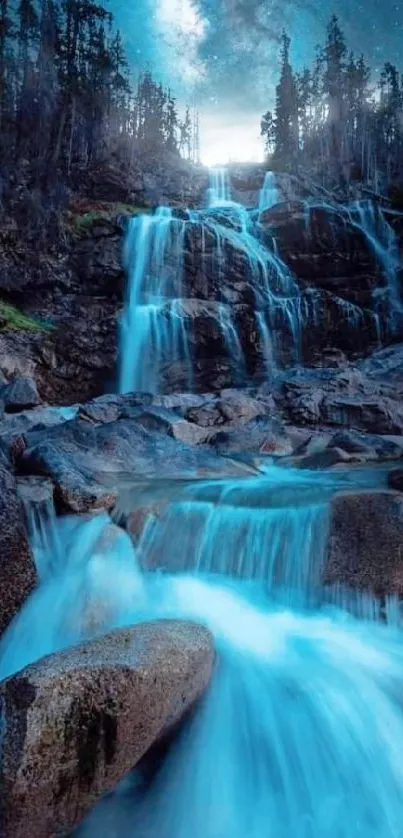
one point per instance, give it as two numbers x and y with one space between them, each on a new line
69 444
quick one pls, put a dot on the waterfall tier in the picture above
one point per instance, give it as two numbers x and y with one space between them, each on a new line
217 298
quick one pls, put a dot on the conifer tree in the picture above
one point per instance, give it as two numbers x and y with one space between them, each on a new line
286 112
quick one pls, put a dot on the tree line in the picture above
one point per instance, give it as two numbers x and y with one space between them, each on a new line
66 100
331 120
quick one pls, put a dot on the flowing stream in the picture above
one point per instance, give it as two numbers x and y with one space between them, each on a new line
301 732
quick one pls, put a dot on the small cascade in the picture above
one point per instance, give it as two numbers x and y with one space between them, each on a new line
282 547
89 582
369 218
268 195
219 192
152 328
267 344
232 343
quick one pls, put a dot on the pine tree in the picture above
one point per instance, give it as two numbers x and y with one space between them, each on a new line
171 140
286 112
6 62
334 89
185 135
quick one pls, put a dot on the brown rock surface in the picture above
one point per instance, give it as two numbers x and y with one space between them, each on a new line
366 542
17 569
78 721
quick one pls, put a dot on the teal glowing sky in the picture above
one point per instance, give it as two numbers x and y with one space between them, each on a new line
223 54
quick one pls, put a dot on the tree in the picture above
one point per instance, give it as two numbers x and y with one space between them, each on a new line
185 135
286 139
334 89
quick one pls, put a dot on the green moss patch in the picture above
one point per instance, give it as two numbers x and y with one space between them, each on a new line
81 218
12 318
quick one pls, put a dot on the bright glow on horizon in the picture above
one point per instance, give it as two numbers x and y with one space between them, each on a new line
230 143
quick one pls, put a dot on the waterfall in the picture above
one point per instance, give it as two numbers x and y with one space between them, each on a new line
152 328
219 192
268 195
88 579
300 733
383 242
305 702
177 260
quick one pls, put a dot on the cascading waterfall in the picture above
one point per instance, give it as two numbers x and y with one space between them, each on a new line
219 192
300 733
152 328
383 241
268 195
158 323
370 220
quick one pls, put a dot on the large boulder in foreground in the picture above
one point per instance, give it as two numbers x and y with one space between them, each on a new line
365 542
76 722
17 568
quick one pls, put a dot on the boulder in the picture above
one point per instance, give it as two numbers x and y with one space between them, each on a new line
363 397
88 463
17 568
110 407
162 420
15 428
326 459
263 435
20 394
76 722
365 542
371 446
395 479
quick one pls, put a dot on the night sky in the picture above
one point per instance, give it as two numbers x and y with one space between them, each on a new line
223 54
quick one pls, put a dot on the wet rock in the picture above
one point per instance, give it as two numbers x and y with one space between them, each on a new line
162 420
370 445
87 463
20 394
76 487
370 413
181 402
15 429
362 398
395 479
237 407
365 542
17 569
350 441
110 407
79 720
36 493
326 459
206 416
100 410
261 435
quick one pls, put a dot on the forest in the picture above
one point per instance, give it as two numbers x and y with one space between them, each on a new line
334 122
66 100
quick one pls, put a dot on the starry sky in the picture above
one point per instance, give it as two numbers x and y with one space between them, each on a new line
222 55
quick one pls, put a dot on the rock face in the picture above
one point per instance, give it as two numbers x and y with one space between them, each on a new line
78 721
305 278
17 569
365 542
20 394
